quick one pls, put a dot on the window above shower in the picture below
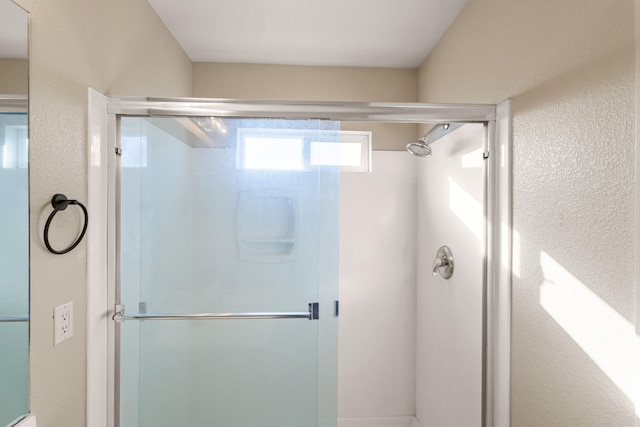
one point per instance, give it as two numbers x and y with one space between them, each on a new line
286 149
258 144
14 136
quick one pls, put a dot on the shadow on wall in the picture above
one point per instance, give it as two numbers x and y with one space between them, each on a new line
574 346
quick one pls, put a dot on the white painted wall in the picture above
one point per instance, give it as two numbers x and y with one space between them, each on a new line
377 293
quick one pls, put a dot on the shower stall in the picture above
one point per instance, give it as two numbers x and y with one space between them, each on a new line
266 269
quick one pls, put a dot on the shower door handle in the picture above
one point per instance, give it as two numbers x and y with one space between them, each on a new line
443 264
8 319
313 313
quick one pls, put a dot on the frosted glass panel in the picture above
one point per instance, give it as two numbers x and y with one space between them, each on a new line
14 265
213 223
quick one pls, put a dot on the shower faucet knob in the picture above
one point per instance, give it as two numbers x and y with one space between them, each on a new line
443 264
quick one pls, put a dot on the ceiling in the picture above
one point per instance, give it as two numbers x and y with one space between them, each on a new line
13 30
360 33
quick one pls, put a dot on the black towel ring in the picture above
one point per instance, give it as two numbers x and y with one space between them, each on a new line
60 203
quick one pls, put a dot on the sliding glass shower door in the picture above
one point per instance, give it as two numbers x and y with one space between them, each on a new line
14 264
228 264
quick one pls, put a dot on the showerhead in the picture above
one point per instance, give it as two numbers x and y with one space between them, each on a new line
419 148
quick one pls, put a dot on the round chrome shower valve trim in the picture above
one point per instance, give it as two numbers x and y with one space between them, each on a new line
443 264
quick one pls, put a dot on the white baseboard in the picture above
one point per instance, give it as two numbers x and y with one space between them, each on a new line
28 421
408 421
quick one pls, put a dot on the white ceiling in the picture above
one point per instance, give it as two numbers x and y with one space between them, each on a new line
13 30
363 33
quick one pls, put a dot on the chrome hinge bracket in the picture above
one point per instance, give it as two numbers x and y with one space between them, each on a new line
314 311
118 151
118 310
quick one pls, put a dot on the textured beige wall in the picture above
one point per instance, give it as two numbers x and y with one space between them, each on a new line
569 66
286 82
14 76
117 47
343 84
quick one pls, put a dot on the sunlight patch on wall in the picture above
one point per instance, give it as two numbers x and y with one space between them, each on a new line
600 331
473 159
468 209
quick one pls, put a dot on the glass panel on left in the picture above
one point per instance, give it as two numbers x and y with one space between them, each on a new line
14 265
227 216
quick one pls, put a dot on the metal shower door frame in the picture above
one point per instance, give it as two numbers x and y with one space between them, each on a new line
103 118
14 103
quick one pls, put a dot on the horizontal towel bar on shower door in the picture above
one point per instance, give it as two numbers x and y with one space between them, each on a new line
14 319
311 314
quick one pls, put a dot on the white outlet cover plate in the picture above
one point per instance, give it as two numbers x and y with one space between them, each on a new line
62 323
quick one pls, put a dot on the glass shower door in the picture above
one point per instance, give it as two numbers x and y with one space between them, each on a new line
14 265
228 260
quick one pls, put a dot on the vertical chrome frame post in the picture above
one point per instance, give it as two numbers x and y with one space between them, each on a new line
498 275
114 267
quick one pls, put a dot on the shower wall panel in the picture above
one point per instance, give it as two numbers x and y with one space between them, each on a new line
451 195
377 293
407 421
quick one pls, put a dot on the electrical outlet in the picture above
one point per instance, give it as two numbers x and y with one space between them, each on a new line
62 323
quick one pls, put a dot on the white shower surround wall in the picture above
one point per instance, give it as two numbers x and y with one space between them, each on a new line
377 329
379 422
393 345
